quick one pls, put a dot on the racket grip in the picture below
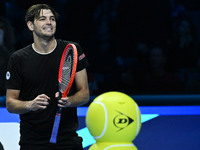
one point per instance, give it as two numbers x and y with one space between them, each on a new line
55 128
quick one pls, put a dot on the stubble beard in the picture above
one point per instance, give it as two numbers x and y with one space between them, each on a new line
43 35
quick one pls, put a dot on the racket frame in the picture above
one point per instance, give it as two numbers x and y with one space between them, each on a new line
54 134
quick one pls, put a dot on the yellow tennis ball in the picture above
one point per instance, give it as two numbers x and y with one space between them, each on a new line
112 146
113 117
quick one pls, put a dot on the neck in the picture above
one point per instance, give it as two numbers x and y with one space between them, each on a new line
44 46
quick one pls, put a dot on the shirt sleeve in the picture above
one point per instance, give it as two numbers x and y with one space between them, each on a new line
82 60
13 75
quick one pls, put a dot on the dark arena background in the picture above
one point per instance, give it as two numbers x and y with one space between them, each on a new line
148 49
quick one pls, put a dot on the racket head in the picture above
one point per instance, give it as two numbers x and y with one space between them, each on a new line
67 69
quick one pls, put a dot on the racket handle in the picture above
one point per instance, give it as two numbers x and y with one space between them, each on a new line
55 128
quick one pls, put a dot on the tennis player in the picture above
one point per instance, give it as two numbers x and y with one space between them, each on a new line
32 85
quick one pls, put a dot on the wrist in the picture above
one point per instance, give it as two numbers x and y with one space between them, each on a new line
28 105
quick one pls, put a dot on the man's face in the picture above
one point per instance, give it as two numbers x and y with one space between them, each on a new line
45 25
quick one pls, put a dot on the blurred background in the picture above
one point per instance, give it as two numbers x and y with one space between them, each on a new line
148 49
137 47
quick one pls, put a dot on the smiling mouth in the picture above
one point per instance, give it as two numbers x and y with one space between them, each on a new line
48 29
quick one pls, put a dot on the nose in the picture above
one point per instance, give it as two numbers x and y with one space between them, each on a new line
49 21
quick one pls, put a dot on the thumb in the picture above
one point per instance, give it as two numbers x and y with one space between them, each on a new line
57 94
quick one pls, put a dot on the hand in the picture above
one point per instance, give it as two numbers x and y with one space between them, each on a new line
63 102
40 102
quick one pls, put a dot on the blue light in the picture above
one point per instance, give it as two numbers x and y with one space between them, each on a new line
147 113
89 140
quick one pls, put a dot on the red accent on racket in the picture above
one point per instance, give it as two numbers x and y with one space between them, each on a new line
66 76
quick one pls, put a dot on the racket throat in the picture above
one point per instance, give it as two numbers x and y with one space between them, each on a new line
58 113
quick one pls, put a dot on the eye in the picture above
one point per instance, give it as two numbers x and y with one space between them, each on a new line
42 19
53 19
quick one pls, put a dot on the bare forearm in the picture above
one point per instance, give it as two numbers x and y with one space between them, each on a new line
80 98
82 95
17 106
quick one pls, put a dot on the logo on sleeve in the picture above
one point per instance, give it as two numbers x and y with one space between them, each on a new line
7 75
81 57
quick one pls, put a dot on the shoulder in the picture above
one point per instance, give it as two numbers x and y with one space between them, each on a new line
24 52
65 42
21 55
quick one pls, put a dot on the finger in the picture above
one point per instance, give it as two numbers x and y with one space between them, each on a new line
42 100
62 102
61 106
39 105
43 103
44 96
65 99
42 107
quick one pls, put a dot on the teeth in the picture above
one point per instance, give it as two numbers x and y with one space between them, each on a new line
48 29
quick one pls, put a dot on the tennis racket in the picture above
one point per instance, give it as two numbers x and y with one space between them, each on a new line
66 76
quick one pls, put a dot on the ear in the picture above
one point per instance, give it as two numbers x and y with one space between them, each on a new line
30 25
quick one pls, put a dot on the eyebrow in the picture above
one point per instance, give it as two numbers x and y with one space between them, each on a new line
46 17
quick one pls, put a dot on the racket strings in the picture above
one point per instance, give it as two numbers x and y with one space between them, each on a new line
66 70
